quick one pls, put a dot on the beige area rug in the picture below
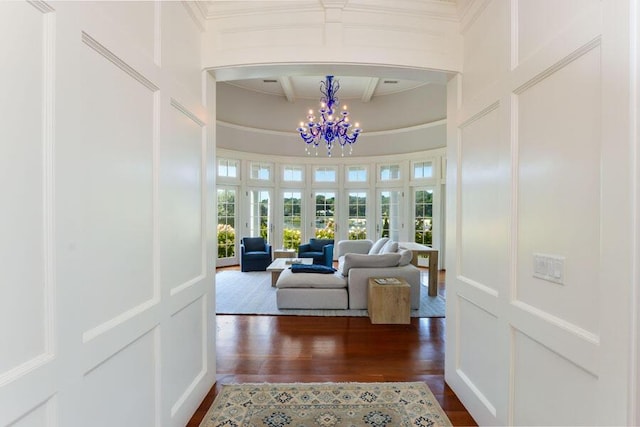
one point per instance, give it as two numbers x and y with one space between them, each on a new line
252 293
326 405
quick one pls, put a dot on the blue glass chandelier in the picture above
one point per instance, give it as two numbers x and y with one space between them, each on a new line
332 126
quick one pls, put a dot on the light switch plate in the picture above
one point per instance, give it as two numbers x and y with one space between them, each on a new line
549 267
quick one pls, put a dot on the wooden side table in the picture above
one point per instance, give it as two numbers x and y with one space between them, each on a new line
284 253
389 303
417 250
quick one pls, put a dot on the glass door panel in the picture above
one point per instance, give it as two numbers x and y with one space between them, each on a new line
226 229
389 216
423 216
260 214
325 225
357 220
292 219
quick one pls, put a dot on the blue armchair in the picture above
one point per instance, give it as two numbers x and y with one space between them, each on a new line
255 254
321 250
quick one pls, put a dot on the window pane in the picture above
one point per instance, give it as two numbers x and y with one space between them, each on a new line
227 168
292 220
325 175
259 214
261 172
422 170
389 172
390 214
357 174
226 223
424 217
357 215
325 215
292 174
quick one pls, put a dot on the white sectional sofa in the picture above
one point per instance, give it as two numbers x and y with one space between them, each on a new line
358 264
358 260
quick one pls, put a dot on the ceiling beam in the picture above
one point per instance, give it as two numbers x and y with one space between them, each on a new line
287 88
371 87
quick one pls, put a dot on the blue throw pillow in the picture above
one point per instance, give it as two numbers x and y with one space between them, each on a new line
312 268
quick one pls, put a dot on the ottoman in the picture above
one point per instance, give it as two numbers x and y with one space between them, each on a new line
312 291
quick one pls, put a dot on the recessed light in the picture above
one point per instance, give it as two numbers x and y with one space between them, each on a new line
269 81
390 82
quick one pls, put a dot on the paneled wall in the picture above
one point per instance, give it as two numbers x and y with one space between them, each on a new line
105 315
538 271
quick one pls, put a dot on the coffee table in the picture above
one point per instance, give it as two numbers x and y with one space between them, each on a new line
280 264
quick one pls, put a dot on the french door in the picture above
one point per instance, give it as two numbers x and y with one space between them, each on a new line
389 219
324 215
423 216
259 221
357 215
226 229
291 219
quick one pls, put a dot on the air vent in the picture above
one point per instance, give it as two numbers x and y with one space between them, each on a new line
269 81
390 82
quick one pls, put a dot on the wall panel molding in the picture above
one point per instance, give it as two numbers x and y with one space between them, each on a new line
184 110
178 404
570 341
584 49
110 56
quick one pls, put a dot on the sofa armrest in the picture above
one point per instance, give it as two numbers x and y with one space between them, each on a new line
305 247
354 247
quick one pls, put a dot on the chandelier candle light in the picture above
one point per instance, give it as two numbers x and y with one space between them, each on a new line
332 126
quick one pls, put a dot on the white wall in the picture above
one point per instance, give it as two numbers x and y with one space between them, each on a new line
540 163
105 222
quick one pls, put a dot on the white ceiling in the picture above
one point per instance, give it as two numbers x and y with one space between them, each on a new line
308 87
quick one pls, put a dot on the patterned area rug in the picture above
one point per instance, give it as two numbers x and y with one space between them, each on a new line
252 293
326 405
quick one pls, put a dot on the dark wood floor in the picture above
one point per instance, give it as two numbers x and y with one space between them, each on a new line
337 349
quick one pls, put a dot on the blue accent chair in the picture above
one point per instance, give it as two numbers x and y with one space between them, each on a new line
321 250
255 254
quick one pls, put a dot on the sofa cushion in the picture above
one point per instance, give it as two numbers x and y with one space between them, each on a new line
405 257
377 246
390 247
369 261
312 268
288 279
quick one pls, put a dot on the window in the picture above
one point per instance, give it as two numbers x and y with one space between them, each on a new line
357 215
228 168
390 217
325 214
226 222
261 172
260 214
323 174
292 219
356 174
423 219
422 170
292 174
389 172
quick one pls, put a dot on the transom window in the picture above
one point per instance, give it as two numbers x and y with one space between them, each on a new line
422 170
325 174
356 174
389 172
228 168
260 171
292 174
